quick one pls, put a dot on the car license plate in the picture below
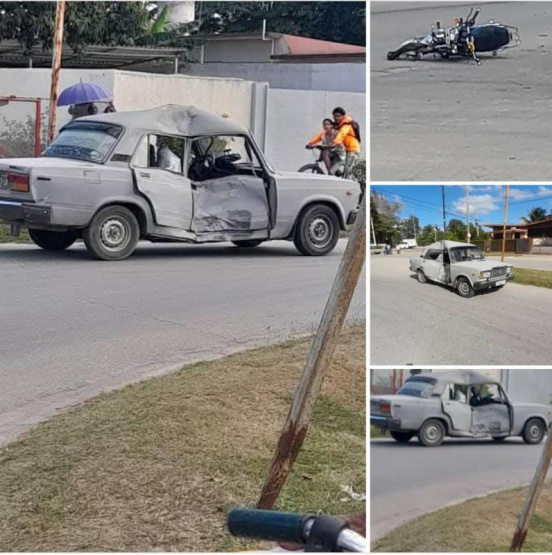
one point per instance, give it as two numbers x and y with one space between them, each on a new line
499 283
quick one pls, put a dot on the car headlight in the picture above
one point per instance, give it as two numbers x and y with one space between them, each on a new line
510 269
485 275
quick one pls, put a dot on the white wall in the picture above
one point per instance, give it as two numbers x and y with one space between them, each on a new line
346 76
529 386
294 117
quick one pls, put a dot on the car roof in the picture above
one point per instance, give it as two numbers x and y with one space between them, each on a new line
448 245
466 377
172 119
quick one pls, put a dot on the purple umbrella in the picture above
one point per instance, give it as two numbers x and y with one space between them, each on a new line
83 93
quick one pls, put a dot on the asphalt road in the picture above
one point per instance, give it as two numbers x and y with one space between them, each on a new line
71 327
407 480
451 120
428 324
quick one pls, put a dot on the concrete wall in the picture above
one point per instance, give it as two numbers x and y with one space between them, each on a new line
529 386
294 117
350 77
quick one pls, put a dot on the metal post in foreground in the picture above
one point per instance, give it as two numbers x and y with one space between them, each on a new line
533 496
56 65
504 225
320 357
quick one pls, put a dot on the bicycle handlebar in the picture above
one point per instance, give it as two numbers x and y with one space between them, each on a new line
294 528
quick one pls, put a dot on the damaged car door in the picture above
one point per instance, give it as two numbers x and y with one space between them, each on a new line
492 410
158 171
456 406
432 265
230 186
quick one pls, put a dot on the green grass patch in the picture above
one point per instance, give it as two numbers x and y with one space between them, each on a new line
528 276
486 524
156 465
376 432
5 236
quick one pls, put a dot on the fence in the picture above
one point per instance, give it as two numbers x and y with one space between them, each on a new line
22 126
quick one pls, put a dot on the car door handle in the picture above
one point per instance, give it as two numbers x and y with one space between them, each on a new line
144 174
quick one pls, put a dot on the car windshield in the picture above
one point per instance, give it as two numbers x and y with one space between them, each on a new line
85 140
463 254
418 387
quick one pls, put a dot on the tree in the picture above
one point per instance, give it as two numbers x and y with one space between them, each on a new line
535 215
334 21
105 23
429 234
383 214
409 227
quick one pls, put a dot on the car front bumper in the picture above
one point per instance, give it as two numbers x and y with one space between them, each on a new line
480 285
23 212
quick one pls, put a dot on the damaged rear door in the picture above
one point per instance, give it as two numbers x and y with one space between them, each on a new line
230 186
492 411
456 406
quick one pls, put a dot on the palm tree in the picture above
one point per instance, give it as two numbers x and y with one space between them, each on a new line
535 215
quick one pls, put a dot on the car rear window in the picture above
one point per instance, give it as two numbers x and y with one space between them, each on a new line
84 140
418 387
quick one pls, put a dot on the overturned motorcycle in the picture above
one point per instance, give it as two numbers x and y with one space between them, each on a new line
464 40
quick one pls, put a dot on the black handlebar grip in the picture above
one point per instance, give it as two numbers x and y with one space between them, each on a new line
266 525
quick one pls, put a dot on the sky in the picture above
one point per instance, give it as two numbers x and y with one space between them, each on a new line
485 201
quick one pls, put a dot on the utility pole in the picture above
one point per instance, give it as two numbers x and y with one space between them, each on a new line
477 224
532 496
56 65
373 231
504 225
435 233
414 226
467 213
444 214
319 360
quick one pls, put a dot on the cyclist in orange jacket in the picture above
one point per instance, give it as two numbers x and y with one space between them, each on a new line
348 135
334 157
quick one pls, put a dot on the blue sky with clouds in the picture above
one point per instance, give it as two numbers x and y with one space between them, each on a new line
486 201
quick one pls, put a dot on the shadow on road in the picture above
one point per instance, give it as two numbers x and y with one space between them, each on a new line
414 444
25 254
451 290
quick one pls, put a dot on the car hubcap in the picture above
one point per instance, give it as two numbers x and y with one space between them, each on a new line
534 432
320 231
432 433
114 234
464 287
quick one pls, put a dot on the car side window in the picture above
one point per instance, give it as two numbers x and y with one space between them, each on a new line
434 255
220 156
160 151
458 393
486 394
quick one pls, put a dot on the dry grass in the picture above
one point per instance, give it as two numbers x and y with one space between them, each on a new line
486 524
156 465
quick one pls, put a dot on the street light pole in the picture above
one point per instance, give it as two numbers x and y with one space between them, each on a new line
467 213
504 225
444 213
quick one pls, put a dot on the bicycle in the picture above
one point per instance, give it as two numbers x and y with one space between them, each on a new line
317 533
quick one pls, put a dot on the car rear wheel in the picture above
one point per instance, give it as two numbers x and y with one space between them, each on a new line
402 437
52 240
534 431
432 433
248 243
421 276
317 231
113 234
464 288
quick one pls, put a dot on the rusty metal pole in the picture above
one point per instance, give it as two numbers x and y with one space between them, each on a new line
56 65
504 225
319 359
533 496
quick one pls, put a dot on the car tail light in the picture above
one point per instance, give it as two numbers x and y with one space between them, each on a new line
385 407
18 182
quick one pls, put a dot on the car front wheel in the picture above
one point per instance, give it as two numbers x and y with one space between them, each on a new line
432 433
402 437
421 276
113 234
52 240
317 231
464 288
534 431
